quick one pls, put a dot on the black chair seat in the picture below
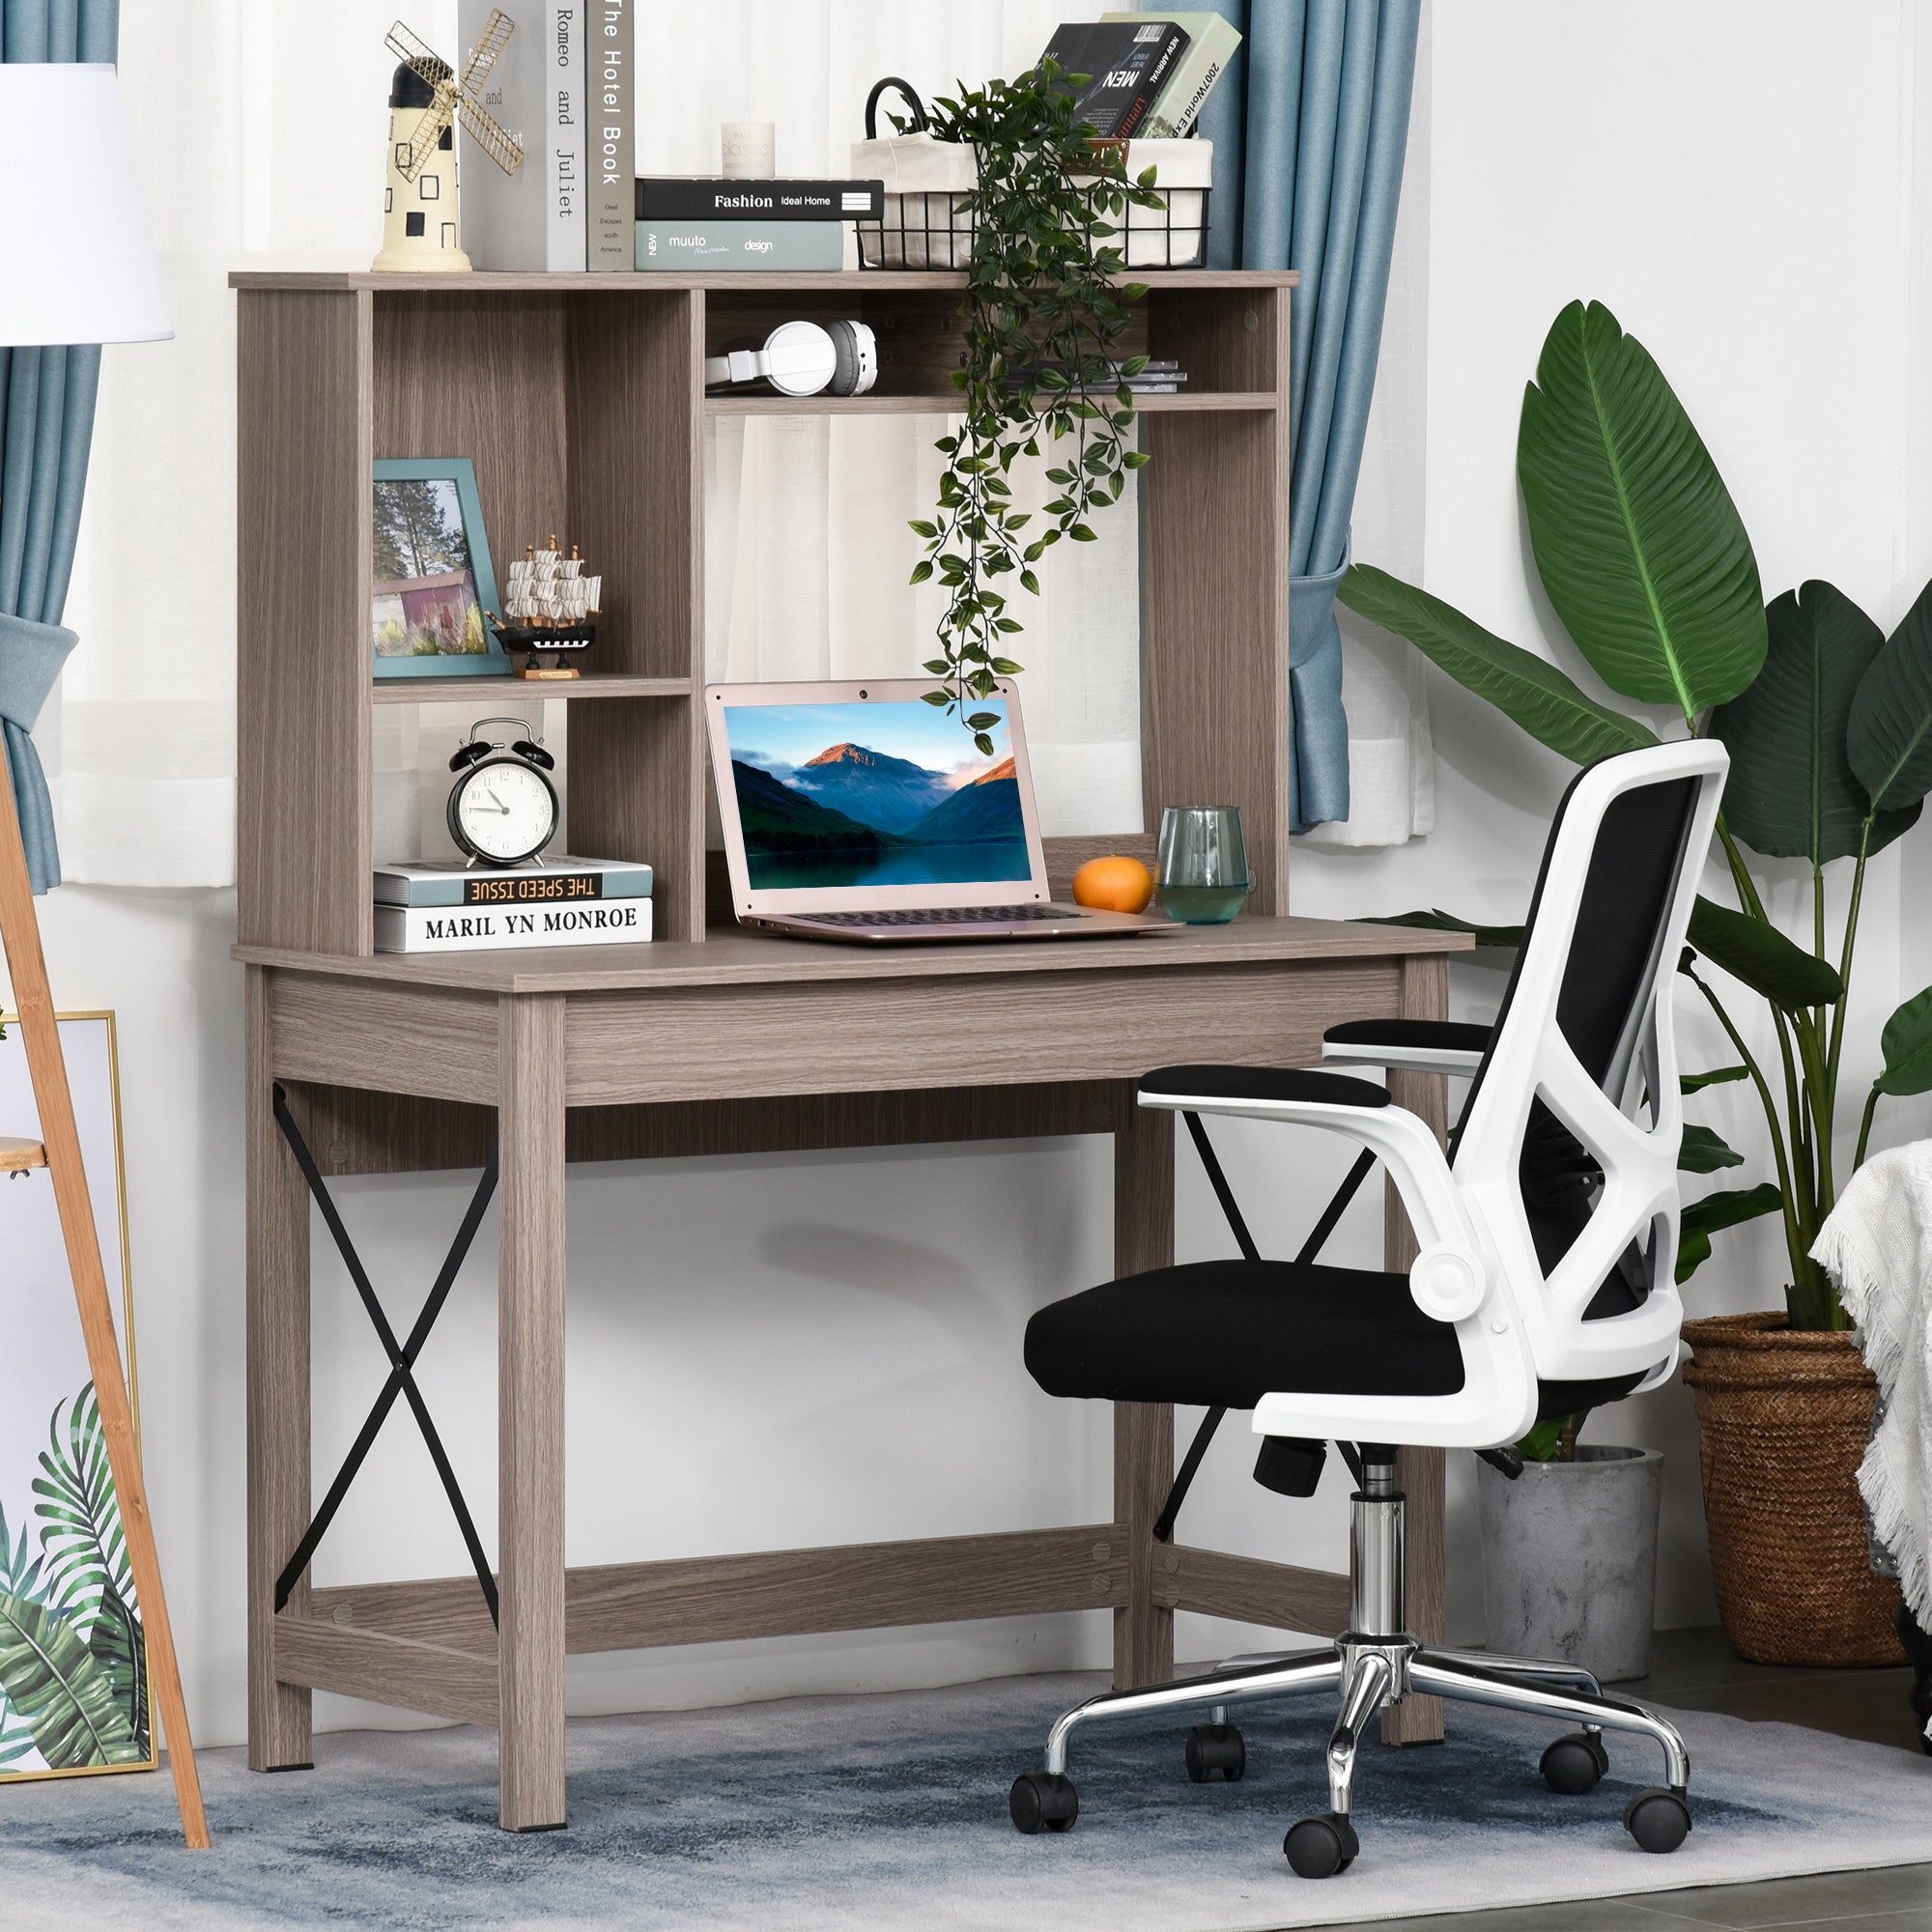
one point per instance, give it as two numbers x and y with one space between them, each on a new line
1228 1333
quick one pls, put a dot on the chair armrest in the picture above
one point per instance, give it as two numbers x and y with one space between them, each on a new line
1449 1279
1410 1046
1262 1083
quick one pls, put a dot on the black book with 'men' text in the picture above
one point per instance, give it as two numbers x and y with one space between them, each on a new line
1126 62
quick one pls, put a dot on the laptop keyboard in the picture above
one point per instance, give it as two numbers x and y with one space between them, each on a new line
944 916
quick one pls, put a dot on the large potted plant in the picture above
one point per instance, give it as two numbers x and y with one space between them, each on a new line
1644 558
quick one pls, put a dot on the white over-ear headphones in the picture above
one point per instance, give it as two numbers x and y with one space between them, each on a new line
801 359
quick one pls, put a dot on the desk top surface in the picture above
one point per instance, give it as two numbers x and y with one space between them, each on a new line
736 958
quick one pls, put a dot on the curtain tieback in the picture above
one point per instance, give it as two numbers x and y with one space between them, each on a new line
1314 677
31 656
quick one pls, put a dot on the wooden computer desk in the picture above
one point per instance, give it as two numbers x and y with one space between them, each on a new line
746 1043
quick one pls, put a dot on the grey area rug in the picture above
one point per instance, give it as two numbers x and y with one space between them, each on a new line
890 1813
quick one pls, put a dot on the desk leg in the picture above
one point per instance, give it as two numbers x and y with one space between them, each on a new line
530 1395
279 1715
1142 1430
1418 1721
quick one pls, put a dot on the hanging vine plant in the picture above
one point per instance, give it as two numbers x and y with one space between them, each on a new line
1045 314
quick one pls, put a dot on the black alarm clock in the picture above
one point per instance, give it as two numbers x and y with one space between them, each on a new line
503 807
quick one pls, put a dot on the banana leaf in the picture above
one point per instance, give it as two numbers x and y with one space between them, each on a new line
1907 1046
1637 539
1889 733
1717 1076
1704 1151
1792 793
1726 1208
1525 687
1762 958
119 1645
55 1685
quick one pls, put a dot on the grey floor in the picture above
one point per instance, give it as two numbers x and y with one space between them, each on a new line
1695 1669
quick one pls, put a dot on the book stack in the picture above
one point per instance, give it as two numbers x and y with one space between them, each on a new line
1162 377
1148 75
706 221
565 88
451 906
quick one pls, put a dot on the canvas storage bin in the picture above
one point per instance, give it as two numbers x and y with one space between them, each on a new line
925 227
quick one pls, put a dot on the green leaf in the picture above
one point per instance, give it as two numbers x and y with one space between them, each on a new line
920 572
1889 736
1637 539
1525 687
1792 793
60 1691
1445 921
921 528
1907 1046
1762 958
1718 1076
1545 1443
1726 1208
982 721
1704 1152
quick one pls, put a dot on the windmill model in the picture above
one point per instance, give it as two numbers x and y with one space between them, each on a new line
420 230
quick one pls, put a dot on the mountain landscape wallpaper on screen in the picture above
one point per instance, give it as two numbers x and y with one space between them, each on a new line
854 814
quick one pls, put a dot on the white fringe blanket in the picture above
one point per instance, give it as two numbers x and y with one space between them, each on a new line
1877 1246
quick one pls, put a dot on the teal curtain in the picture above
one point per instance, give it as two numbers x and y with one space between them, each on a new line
1309 128
46 422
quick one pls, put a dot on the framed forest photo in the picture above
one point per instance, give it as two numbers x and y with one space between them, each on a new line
433 579
74 1657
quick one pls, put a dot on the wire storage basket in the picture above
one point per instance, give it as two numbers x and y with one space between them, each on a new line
928 223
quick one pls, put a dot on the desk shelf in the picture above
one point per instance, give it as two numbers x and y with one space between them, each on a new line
463 690
581 401
947 403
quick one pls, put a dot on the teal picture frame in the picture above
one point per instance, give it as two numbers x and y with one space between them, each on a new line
413 604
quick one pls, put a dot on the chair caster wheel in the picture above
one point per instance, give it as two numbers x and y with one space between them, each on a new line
1216 1749
1043 1800
1574 1764
1321 1846
1659 1820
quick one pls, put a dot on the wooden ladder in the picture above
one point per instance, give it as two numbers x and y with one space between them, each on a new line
59 1149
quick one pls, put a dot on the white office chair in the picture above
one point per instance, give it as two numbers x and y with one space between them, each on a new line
1544 1283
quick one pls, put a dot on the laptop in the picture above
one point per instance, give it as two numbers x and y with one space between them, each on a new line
859 812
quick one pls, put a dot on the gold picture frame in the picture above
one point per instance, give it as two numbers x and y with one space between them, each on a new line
44 1534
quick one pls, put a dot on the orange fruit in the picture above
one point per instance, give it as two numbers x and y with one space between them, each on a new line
1113 884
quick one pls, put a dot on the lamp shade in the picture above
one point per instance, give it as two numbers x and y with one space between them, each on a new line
76 257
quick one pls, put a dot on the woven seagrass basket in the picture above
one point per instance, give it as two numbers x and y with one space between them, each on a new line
1782 1417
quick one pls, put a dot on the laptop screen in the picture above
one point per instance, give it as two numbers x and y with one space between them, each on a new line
888 793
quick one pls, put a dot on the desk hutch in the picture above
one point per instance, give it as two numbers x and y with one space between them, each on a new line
581 400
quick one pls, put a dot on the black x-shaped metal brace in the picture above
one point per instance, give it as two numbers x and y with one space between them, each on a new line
1318 1239
402 1357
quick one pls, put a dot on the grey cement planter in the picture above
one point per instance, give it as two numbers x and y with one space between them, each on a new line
1570 1559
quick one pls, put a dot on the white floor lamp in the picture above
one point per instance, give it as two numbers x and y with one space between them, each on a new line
79 267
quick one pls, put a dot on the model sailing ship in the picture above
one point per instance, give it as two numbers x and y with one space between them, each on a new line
550 610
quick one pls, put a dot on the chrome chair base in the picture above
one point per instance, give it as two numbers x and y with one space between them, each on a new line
1370 1667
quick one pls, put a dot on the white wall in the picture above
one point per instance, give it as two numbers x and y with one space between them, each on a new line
1737 187
826 1347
